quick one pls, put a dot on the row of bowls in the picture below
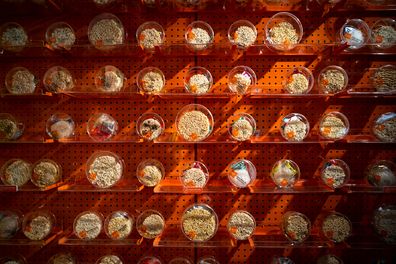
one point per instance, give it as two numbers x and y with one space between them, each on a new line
26 219
241 70
356 25
103 127
285 173
139 221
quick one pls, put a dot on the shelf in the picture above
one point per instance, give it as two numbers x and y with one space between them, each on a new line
29 187
171 7
213 186
173 138
255 93
224 49
366 188
69 239
82 185
174 237
279 241
23 241
302 186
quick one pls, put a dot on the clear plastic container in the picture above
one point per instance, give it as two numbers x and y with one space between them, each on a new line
88 225
151 80
191 5
103 3
60 35
180 260
247 30
13 259
60 126
329 258
152 3
104 169
20 80
10 128
150 224
207 260
240 79
150 126
335 173
150 260
119 225
332 80
285 173
199 36
356 33
381 173
281 260
58 79
383 79
16 172
383 33
194 114
10 223
154 30
198 80
384 128
241 225
332 3
9 31
336 227
38 225
114 259
46 172
64 257
109 79
241 173
196 176
334 126
106 32
102 127
194 233
292 82
276 24
384 221
294 127
150 172
242 127
296 227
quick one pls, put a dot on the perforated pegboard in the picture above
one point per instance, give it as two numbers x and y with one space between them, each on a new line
271 70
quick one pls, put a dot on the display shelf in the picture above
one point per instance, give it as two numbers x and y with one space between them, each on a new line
48 8
279 241
306 6
213 186
174 138
23 241
181 50
361 186
29 187
255 93
81 184
301 186
69 239
174 237
90 188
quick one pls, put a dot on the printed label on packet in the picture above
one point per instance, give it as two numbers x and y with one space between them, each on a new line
239 166
242 178
290 167
356 36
